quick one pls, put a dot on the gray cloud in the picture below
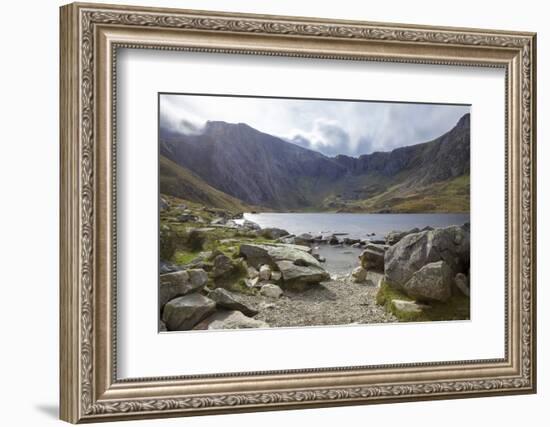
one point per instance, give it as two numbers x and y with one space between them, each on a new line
330 127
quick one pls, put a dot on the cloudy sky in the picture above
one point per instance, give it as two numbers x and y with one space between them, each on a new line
331 127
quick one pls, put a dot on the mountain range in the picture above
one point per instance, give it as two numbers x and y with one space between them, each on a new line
236 166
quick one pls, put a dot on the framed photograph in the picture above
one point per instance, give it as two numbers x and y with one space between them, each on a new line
266 212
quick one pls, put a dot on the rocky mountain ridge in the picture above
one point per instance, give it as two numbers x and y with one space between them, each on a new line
263 170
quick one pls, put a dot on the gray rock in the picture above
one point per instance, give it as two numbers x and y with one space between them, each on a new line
182 313
301 274
225 299
250 225
233 320
333 240
197 276
258 254
222 267
265 272
377 242
303 239
253 283
289 240
271 291
167 267
374 278
251 272
350 241
218 221
359 274
450 244
276 276
395 236
274 233
433 282
162 326
372 258
180 283
462 283
408 306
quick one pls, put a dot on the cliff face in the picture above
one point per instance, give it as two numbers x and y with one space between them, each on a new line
443 158
263 170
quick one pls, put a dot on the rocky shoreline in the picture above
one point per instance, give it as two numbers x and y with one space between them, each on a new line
221 271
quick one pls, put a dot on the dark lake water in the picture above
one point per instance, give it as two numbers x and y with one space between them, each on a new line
358 226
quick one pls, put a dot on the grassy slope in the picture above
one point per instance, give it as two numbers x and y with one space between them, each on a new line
179 182
446 196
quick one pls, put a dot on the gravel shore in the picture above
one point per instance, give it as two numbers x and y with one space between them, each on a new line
338 302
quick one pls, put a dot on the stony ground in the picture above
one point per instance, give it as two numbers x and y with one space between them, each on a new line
338 302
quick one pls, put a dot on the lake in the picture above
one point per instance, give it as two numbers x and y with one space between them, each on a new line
354 225
341 259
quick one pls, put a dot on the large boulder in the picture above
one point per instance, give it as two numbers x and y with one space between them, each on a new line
225 299
180 283
230 320
273 233
299 274
258 254
182 313
395 236
452 244
433 282
412 252
290 239
222 266
250 225
372 258
295 263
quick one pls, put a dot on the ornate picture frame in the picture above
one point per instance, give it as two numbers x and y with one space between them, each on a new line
90 37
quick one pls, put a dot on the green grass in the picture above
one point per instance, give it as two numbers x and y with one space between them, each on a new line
386 294
457 308
184 257
447 196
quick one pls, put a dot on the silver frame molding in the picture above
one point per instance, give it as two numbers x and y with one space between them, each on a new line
90 37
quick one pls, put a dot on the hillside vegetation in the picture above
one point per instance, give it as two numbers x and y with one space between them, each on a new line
179 182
